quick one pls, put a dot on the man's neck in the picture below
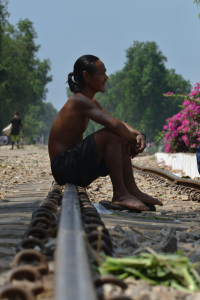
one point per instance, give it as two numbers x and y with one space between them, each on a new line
87 92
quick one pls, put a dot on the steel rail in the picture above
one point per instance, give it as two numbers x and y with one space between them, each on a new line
195 184
73 276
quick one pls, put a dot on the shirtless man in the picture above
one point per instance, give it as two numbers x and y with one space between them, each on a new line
107 151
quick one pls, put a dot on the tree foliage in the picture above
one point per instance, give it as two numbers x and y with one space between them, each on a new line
38 121
24 76
198 3
135 93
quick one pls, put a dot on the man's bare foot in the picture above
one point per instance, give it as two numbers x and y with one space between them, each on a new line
146 198
130 202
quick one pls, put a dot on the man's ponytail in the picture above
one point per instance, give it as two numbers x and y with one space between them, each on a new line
84 63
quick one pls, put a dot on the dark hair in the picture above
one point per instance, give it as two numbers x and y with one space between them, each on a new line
84 63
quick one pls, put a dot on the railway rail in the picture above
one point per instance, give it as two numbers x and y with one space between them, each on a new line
50 236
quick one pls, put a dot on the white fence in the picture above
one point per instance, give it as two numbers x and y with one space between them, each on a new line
180 161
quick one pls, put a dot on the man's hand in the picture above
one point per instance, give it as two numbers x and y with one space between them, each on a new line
141 142
133 149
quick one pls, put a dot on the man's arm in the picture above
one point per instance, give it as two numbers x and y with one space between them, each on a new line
93 110
140 138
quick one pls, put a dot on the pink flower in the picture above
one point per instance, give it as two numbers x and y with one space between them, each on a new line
168 94
182 129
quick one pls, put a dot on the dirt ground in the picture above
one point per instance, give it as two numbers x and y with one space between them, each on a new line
31 163
22 166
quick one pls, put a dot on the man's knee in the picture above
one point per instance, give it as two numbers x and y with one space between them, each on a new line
106 137
113 137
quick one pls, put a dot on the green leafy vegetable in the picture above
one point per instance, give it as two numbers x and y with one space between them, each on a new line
158 269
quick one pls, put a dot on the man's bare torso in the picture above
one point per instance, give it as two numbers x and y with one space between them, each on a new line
69 126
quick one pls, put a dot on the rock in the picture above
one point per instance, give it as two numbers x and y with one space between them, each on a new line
169 244
184 198
167 231
130 243
118 228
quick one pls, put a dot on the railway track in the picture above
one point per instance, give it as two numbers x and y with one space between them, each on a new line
50 236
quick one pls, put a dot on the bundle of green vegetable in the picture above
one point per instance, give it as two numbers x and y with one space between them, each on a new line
158 269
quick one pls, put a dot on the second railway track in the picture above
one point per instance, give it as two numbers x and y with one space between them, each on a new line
176 225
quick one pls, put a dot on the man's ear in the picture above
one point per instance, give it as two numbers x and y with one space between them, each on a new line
86 76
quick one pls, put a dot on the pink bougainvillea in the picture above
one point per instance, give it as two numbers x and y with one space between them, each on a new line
182 131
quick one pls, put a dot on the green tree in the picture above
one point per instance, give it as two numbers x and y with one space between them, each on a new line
38 121
198 3
3 22
24 80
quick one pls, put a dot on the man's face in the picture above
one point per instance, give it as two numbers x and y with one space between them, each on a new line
98 78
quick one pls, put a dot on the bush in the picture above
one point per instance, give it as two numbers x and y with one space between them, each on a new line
182 131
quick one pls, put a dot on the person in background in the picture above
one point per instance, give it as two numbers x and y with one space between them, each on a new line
16 127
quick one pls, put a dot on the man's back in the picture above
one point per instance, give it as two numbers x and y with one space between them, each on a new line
69 126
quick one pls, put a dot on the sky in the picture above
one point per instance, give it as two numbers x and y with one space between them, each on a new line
67 29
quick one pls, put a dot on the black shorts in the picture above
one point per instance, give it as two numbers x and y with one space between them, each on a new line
79 165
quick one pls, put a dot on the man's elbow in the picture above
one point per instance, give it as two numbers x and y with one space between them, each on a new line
115 126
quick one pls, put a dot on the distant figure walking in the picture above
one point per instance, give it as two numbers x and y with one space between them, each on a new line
16 127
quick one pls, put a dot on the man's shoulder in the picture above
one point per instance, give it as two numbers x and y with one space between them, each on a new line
79 97
80 100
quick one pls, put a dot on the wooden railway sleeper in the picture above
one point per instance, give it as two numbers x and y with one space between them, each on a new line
26 277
